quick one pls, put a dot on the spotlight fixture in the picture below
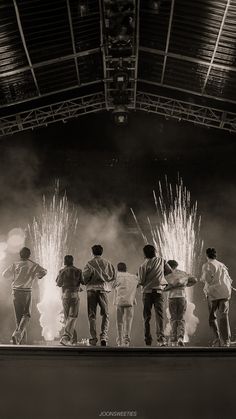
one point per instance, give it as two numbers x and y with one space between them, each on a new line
82 8
121 79
120 115
155 6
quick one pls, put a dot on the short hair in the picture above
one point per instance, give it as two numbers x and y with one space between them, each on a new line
121 267
173 264
68 260
149 251
97 250
25 253
211 253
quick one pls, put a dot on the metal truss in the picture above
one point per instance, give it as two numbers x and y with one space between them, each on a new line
180 110
62 111
113 62
167 107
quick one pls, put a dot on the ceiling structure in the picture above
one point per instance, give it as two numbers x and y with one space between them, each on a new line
63 58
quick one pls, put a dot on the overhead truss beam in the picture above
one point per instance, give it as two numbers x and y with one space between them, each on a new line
43 116
185 111
119 44
160 105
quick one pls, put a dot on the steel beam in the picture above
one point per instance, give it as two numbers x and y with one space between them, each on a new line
43 116
73 39
182 110
168 40
137 51
49 62
191 92
216 45
187 58
67 89
24 45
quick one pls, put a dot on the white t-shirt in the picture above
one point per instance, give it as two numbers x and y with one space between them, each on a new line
125 289
177 277
217 280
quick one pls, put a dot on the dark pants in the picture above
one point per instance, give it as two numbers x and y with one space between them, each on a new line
22 307
177 308
153 299
95 298
70 302
221 330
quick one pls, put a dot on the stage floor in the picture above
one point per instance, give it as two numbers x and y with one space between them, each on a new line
55 382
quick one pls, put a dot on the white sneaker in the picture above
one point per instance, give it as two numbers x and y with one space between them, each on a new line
65 342
16 338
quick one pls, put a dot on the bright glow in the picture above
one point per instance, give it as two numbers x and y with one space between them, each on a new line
177 236
52 234
2 255
3 247
16 240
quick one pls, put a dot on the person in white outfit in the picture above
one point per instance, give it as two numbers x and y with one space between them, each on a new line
125 290
217 288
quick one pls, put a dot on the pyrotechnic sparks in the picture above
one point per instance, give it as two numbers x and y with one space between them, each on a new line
52 235
177 236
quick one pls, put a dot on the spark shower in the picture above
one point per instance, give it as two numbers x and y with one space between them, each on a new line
52 235
176 235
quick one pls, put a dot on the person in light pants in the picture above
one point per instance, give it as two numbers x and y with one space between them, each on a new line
217 288
98 276
124 299
23 273
177 282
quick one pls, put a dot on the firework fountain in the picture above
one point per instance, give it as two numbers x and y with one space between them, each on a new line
177 236
52 235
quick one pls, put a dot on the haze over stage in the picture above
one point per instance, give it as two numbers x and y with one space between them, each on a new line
84 382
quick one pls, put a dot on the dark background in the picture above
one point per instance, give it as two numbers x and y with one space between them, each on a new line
108 169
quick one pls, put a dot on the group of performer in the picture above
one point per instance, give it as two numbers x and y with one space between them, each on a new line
156 276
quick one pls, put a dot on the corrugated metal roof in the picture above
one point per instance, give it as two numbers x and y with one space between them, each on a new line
48 46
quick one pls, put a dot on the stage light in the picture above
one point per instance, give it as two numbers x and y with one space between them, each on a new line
82 8
120 115
154 6
121 79
3 247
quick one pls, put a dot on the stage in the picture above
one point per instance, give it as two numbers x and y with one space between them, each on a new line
54 382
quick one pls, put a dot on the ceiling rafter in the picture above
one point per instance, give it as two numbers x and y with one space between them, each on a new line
168 40
191 92
216 45
136 53
49 62
25 46
187 58
43 95
73 40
